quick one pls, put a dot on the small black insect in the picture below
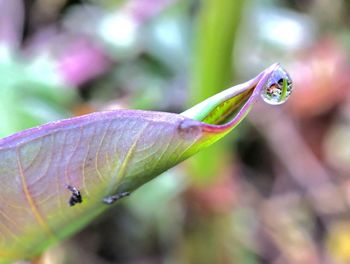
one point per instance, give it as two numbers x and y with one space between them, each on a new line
75 197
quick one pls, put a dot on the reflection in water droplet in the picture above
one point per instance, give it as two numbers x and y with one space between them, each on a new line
278 87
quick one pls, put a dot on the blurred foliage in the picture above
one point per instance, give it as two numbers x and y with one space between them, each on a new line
32 93
212 69
279 195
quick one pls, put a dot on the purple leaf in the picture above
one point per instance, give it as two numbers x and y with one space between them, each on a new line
56 176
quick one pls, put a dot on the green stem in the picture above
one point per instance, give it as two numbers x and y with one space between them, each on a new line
212 70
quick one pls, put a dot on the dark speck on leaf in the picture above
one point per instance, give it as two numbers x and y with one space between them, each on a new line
113 198
75 197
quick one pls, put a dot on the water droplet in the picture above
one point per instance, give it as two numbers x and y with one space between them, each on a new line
277 88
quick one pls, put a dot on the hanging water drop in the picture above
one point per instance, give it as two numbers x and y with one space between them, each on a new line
277 88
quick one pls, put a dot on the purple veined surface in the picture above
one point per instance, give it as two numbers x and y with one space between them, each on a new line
100 154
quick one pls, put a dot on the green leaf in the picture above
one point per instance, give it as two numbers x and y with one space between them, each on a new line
100 154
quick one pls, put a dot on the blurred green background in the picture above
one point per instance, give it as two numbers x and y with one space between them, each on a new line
277 190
